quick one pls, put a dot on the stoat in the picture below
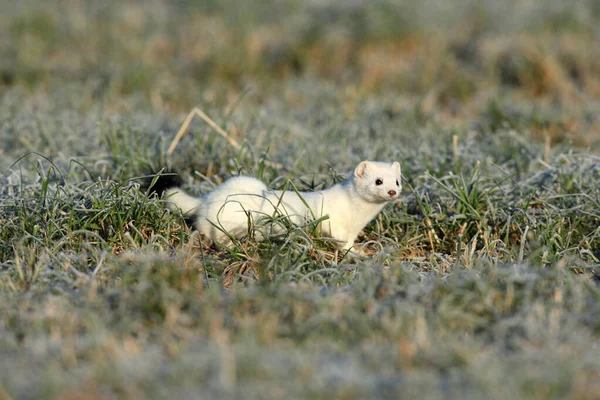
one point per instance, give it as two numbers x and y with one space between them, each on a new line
239 203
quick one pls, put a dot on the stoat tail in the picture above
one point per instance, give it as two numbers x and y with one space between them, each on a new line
177 199
167 185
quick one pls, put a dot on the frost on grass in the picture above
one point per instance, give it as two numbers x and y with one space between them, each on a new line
482 280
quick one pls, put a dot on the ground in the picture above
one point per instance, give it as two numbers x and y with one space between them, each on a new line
483 279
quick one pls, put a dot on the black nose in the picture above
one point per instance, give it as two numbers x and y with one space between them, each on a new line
392 193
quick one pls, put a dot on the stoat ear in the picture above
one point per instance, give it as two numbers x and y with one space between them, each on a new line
361 169
396 166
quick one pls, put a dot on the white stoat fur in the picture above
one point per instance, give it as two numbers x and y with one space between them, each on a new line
350 205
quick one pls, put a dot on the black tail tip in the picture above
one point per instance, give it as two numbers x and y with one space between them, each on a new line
158 183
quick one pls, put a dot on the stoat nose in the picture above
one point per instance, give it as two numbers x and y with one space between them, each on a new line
392 193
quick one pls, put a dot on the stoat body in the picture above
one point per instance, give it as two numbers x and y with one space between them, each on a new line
241 202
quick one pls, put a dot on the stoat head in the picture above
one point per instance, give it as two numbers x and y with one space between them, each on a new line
377 182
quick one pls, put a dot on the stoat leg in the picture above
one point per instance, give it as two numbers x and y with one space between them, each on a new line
351 250
347 246
343 241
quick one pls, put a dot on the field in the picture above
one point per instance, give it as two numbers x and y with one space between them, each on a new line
483 280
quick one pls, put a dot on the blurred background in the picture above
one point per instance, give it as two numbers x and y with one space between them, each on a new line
451 50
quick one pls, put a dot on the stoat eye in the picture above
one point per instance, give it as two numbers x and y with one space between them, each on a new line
397 183
379 182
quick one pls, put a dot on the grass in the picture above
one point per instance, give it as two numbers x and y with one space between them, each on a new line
483 278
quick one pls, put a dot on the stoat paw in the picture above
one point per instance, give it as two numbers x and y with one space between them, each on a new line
355 253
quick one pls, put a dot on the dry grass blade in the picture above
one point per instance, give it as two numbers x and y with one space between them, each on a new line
188 120
184 128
